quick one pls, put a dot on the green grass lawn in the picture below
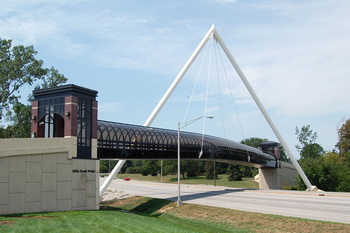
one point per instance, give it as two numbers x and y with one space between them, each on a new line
142 214
221 181
144 218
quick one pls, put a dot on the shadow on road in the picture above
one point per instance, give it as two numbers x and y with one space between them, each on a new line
208 194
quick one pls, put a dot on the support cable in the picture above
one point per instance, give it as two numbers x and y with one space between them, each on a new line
195 85
234 104
161 103
220 94
263 111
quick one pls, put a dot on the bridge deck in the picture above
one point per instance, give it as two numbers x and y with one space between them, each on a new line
125 141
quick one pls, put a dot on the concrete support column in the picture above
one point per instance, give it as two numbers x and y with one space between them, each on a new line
277 178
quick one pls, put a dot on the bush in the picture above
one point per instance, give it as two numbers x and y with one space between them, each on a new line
234 173
329 173
144 172
209 174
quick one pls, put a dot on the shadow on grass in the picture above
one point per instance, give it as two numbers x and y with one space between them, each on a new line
149 208
29 215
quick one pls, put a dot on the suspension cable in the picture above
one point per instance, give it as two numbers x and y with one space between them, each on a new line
220 94
234 104
195 85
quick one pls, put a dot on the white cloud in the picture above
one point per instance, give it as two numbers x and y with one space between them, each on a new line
303 70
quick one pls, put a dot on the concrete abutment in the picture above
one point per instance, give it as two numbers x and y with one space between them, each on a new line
278 178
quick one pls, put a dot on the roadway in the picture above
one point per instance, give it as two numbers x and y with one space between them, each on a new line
326 206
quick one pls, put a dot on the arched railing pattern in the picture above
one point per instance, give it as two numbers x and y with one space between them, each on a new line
125 141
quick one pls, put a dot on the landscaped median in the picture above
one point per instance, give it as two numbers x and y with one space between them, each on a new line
142 214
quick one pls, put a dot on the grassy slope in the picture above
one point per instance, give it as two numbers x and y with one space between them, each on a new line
141 214
108 220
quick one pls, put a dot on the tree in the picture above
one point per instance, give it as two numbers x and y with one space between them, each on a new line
244 171
253 141
191 167
20 116
209 170
234 173
18 68
169 167
307 138
149 167
328 172
344 138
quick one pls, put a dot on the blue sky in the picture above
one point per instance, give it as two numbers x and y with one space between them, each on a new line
295 54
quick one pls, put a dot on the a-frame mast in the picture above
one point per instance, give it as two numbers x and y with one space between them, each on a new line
263 111
212 33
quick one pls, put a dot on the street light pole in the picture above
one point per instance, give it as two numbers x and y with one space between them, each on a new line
179 203
179 127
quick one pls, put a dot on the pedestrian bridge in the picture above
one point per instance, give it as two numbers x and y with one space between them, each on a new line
127 142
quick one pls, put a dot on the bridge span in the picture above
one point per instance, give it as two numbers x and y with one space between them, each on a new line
125 141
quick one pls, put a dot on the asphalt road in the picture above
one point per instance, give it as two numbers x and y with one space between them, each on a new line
326 206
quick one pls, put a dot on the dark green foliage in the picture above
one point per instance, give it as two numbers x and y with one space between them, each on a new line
149 167
20 116
19 68
314 150
253 141
191 167
169 167
308 147
127 164
221 168
346 159
344 138
237 172
234 173
107 166
210 174
284 156
103 166
329 173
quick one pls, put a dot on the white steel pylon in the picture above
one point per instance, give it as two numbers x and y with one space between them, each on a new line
213 33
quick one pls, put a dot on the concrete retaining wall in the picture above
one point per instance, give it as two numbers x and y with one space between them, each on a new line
277 178
39 175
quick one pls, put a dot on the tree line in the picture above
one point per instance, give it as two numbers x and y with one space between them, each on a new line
328 170
189 168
